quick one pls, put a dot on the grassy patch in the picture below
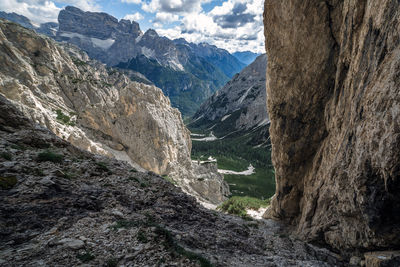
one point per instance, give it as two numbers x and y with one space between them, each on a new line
50 156
69 175
169 179
78 62
6 155
113 262
85 257
64 119
18 147
8 182
238 205
142 236
171 244
102 166
132 178
124 224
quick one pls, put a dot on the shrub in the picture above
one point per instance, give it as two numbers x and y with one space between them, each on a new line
169 179
64 119
124 224
78 62
8 182
238 205
6 155
171 244
102 166
50 156
85 257
131 178
142 236
113 262
17 146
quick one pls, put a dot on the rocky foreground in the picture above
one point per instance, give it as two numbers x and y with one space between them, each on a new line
64 206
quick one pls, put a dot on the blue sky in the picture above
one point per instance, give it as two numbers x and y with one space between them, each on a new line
235 25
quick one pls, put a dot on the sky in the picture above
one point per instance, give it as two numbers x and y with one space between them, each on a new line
235 25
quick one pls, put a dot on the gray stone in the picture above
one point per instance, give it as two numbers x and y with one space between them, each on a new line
355 261
382 259
72 243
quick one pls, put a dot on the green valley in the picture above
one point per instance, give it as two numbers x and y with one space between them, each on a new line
236 153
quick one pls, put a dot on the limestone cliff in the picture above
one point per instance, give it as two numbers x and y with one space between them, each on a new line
334 102
98 109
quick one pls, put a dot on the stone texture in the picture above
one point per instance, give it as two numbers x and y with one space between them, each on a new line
110 114
334 104
382 259
73 221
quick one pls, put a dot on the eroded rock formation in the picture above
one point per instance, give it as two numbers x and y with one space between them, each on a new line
334 102
98 109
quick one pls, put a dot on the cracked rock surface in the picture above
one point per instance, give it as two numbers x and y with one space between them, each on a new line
334 102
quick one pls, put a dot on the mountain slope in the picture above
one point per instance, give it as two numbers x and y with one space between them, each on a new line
187 76
99 109
68 210
232 127
14 17
246 57
239 106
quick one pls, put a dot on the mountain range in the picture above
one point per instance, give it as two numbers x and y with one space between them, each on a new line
99 109
239 107
246 57
187 73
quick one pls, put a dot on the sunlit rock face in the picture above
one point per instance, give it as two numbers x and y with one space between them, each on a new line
98 109
333 86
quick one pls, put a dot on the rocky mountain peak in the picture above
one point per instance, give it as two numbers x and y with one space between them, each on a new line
95 24
151 33
22 20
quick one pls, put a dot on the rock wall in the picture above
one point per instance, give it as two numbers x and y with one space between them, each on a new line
97 109
334 102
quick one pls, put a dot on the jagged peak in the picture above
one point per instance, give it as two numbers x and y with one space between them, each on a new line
151 33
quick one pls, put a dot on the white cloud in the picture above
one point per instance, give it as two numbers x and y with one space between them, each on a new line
86 5
236 25
134 17
131 1
163 17
39 11
174 6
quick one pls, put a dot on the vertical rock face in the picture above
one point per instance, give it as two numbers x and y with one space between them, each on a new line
334 102
97 109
